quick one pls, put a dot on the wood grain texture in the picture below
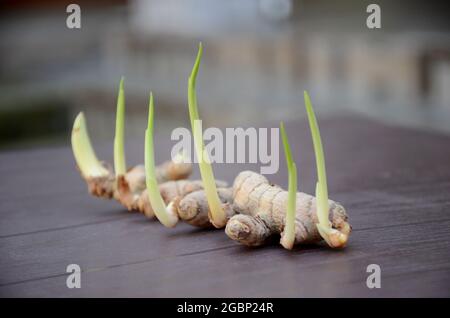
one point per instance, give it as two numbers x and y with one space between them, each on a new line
394 183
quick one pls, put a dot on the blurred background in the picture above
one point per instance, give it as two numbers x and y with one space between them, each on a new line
259 56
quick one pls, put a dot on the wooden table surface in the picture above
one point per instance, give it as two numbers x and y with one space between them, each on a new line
394 183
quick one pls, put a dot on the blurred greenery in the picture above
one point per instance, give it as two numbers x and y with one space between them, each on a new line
41 122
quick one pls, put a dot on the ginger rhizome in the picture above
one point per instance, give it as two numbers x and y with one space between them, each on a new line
130 187
252 210
126 186
193 208
170 200
261 208
131 183
265 209
100 178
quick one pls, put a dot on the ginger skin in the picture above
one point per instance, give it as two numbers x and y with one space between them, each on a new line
131 185
127 188
194 210
172 192
262 210
101 186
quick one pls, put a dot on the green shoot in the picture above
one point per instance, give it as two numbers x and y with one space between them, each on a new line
218 216
164 215
120 165
288 238
82 149
324 225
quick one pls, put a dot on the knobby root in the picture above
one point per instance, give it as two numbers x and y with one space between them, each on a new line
172 192
127 188
193 208
262 210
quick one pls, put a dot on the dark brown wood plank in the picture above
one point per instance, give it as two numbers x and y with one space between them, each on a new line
122 228
274 272
394 183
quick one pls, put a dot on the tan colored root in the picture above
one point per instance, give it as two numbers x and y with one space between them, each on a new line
103 186
131 185
262 208
248 230
194 209
170 170
171 191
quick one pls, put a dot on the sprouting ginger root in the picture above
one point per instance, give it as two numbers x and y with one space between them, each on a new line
131 185
128 187
171 192
194 210
262 211
102 186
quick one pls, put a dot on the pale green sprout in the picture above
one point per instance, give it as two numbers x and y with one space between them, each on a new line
324 225
120 165
83 152
164 214
288 238
218 215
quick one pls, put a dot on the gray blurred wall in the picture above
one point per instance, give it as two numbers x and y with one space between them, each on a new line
259 57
